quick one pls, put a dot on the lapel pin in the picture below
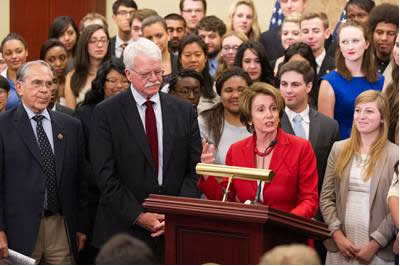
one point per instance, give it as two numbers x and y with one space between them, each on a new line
60 136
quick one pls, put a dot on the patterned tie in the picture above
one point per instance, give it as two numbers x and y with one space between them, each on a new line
298 127
49 166
151 132
123 46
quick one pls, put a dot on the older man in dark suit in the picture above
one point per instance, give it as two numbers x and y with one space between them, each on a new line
142 141
299 119
42 196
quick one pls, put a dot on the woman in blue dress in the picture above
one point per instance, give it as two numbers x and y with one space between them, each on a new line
356 72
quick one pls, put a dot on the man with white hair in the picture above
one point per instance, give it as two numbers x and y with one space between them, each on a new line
143 142
43 174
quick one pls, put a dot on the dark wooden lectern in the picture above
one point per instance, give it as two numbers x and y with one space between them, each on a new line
203 231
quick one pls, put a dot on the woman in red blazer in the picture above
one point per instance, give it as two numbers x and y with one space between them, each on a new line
295 186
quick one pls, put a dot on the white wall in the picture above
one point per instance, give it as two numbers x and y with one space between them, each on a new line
4 18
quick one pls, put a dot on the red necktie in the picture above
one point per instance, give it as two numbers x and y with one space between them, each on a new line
151 132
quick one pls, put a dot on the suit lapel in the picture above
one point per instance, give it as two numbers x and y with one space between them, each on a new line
168 125
280 151
314 128
25 130
59 139
132 118
286 125
375 178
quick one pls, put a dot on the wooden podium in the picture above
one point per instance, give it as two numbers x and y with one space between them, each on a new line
201 231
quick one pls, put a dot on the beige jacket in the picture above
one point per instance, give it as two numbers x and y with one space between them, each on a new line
334 192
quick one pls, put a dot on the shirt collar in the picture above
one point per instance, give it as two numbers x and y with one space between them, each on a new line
4 73
31 114
118 42
140 100
305 114
319 59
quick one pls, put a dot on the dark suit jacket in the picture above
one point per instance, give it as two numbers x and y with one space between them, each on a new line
271 40
23 182
121 159
111 46
324 131
328 65
64 109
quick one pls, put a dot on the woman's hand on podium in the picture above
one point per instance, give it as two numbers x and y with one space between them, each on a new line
208 153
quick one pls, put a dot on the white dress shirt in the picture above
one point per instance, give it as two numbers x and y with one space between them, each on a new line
140 104
118 48
306 118
319 59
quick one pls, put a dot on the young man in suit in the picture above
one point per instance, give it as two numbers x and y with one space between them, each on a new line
142 142
315 32
42 174
123 10
299 119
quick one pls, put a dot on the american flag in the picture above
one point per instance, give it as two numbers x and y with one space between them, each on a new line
343 17
277 16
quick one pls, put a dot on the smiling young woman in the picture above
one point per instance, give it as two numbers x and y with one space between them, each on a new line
15 52
360 170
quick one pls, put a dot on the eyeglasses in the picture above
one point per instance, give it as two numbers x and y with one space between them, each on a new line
227 48
147 75
124 13
115 81
96 41
197 11
186 92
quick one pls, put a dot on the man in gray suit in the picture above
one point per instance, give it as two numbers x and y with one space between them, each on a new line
299 119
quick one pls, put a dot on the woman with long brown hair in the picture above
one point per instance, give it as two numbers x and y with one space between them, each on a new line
356 183
356 72
91 52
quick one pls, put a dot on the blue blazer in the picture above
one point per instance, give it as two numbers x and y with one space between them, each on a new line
23 182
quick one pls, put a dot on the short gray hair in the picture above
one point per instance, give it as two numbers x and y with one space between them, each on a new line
24 69
143 47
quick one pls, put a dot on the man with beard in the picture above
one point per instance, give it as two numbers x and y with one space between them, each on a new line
142 142
384 26
211 29
123 10
176 27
